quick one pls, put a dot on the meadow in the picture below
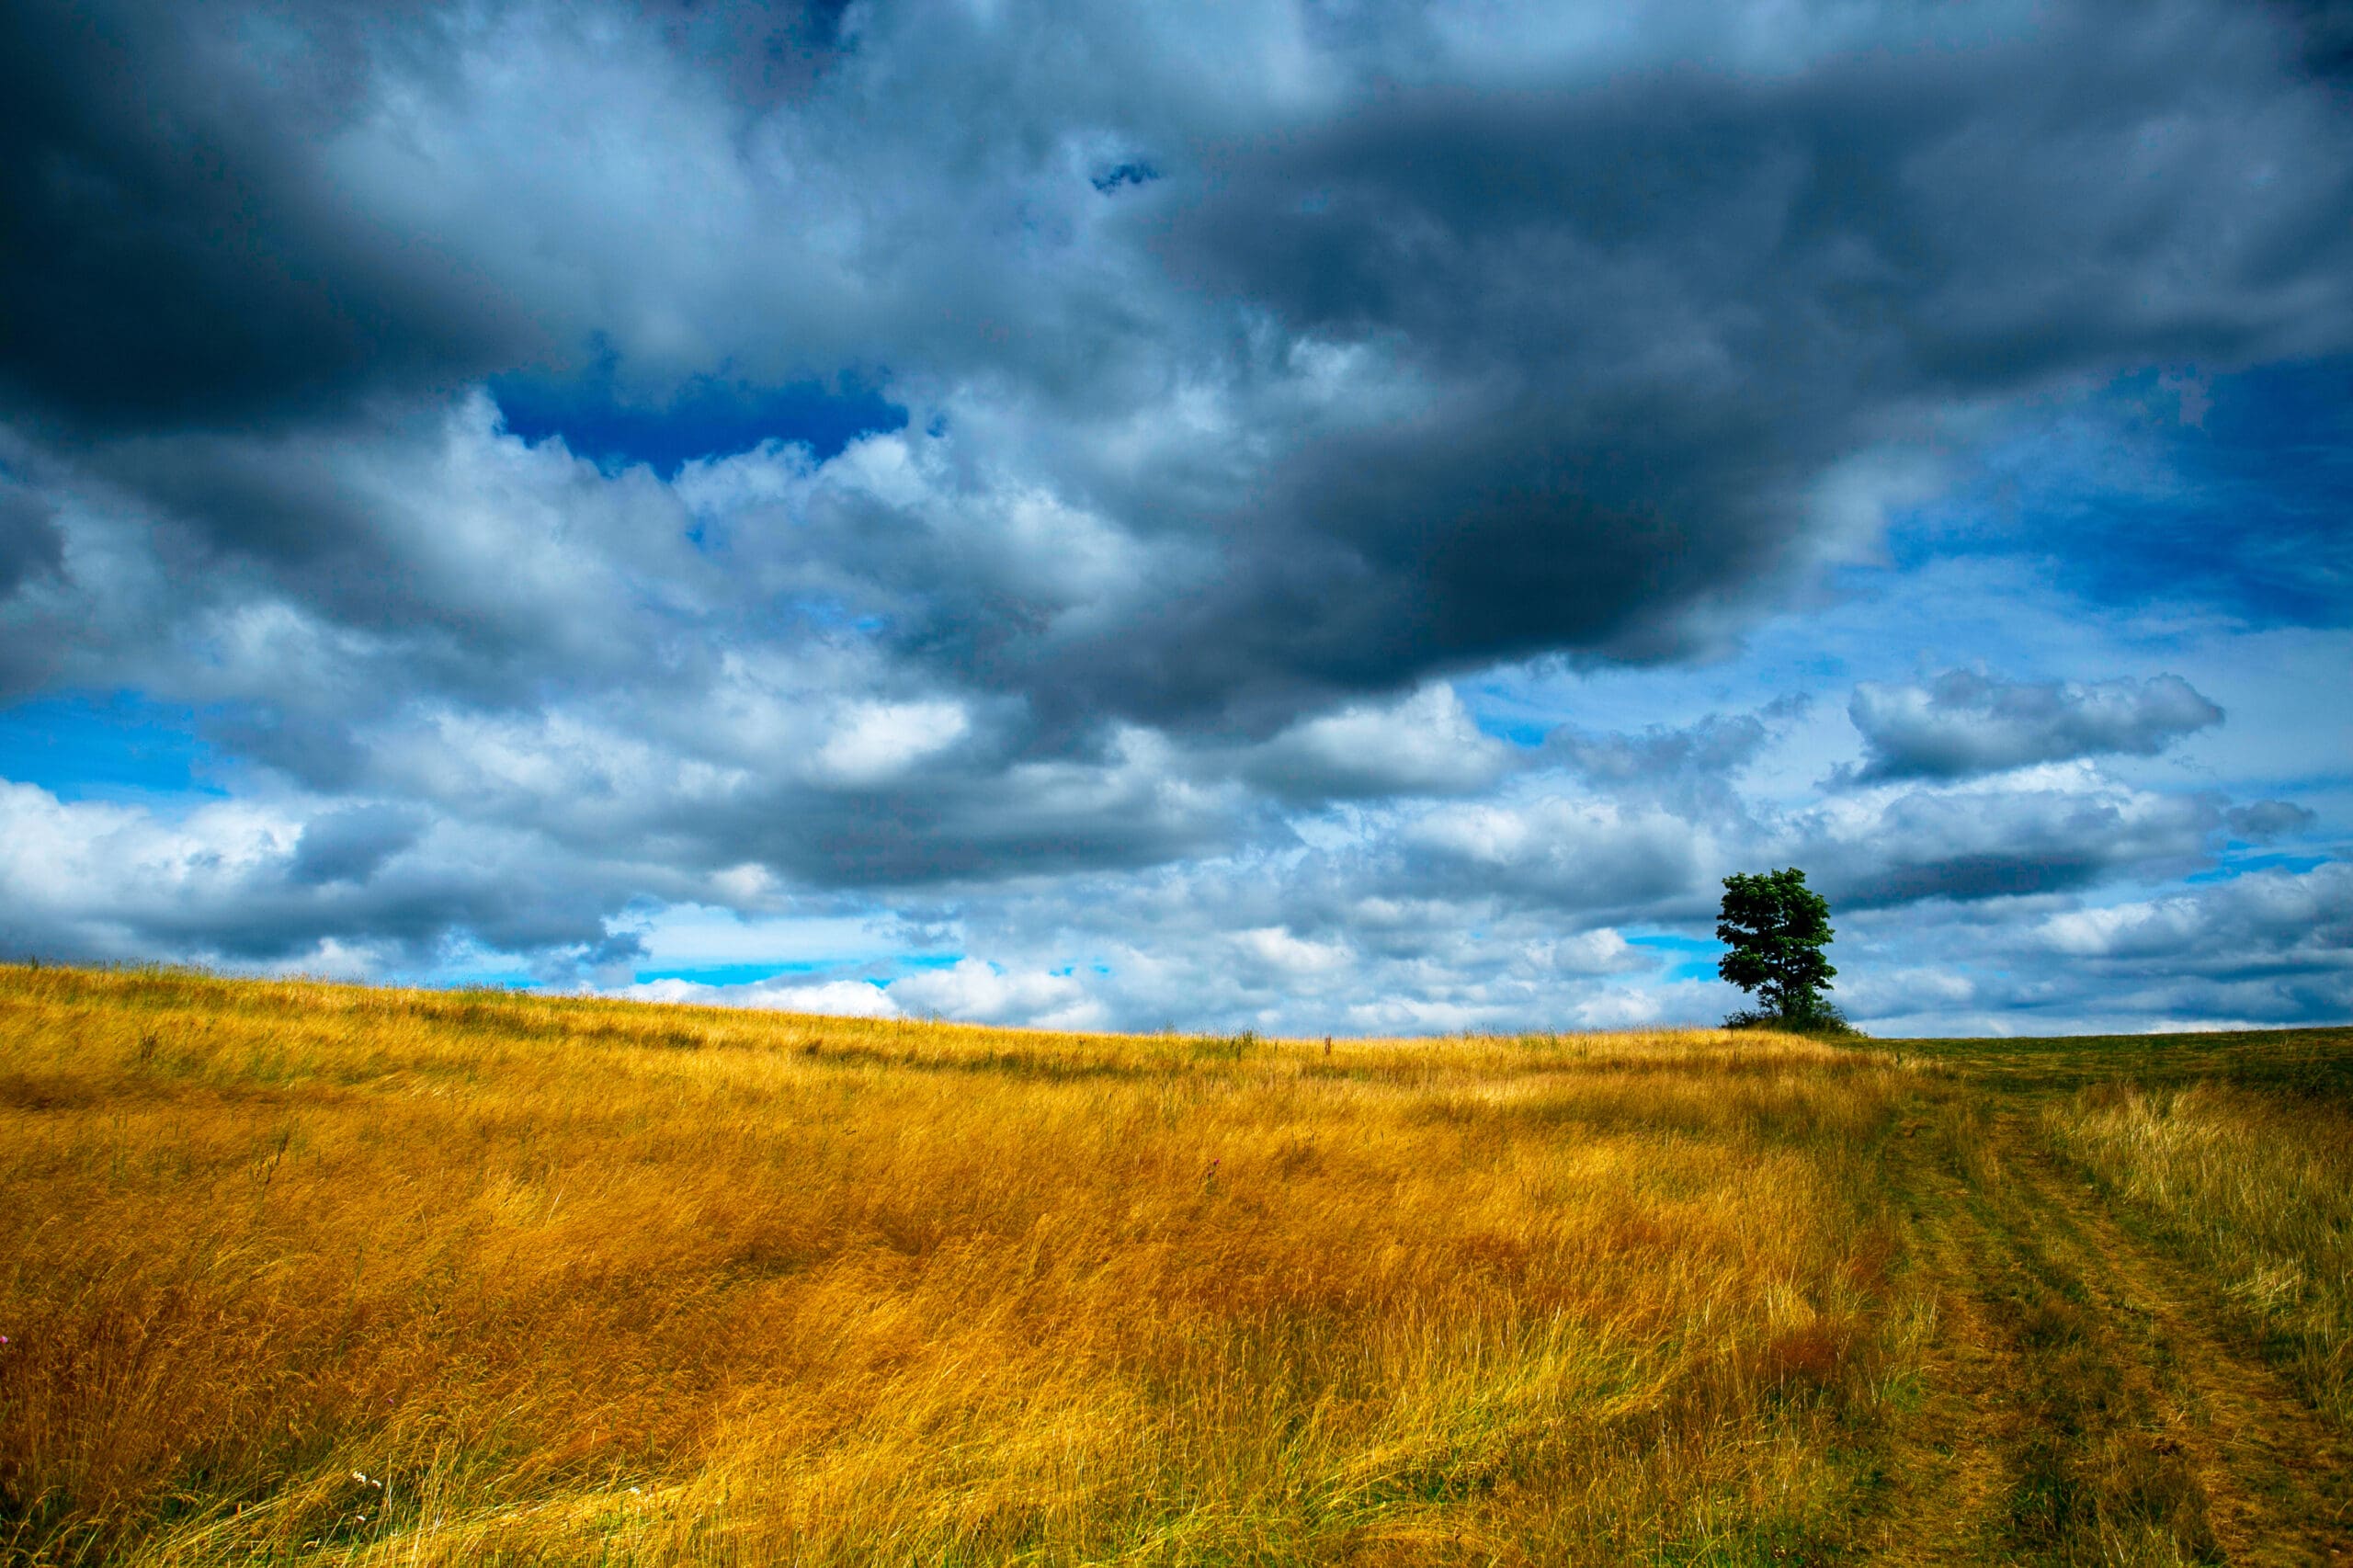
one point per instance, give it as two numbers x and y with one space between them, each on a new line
293 1272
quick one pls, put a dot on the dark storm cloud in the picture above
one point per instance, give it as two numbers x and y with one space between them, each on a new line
1439 364
179 246
349 845
1966 722
487 569
1060 819
30 541
170 251
2325 28
1649 312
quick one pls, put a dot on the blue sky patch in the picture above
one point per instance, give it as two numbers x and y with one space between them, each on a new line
708 417
1695 957
2231 493
1675 943
1518 732
95 747
726 973
2231 869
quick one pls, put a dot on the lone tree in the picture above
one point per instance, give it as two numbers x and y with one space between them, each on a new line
1776 928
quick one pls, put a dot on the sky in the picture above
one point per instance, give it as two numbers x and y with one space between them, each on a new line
1316 517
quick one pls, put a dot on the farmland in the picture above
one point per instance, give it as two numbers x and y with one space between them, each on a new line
300 1272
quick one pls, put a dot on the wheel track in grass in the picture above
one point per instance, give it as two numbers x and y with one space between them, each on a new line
2087 1400
1950 1473
2278 1475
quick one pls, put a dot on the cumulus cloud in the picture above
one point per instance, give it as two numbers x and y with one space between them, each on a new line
878 742
977 991
2265 821
351 845
1511 913
1715 747
1426 745
2271 947
1966 722
2060 826
1250 381
832 998
350 889
2244 926
1564 850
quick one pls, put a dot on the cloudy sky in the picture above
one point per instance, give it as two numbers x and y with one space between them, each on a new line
1306 515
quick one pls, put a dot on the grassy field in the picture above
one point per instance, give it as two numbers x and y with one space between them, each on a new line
300 1272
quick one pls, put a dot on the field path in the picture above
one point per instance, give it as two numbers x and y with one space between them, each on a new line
2087 1399
1947 1496
2279 1479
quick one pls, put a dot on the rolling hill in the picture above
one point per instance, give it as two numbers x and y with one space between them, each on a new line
301 1272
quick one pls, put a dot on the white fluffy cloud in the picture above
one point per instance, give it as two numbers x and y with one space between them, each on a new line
878 742
1427 743
296 884
977 991
832 998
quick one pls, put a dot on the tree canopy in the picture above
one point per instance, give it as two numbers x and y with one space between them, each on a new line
1776 928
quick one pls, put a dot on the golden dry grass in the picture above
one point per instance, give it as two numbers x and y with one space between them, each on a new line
573 1281
304 1273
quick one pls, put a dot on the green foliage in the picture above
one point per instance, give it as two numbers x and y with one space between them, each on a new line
1776 928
